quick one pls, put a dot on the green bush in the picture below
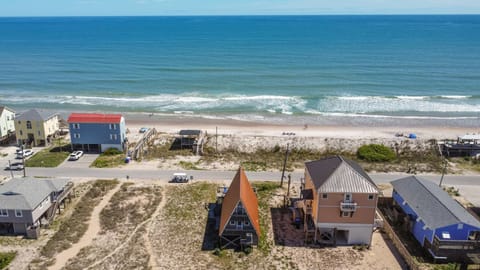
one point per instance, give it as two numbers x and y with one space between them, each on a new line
375 153
112 152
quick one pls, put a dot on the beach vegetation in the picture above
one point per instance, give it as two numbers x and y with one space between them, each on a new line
72 227
187 165
265 192
6 258
376 153
165 150
109 159
49 157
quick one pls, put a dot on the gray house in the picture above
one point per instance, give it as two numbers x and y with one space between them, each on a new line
25 201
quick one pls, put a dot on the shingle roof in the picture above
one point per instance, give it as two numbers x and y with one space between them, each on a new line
27 193
431 203
240 191
36 115
94 118
337 174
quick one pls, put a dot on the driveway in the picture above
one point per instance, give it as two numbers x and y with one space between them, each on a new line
83 162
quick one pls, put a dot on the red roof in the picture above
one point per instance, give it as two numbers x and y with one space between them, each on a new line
94 118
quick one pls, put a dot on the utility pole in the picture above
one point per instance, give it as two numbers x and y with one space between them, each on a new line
10 167
289 180
443 171
23 162
284 165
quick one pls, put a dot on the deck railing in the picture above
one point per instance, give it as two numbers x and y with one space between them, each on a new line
348 206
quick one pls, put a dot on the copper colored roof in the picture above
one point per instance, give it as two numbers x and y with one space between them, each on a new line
240 191
94 118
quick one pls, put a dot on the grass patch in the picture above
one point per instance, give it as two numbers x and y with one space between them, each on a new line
163 150
73 228
187 165
3 154
6 258
50 157
130 205
467 163
265 192
109 159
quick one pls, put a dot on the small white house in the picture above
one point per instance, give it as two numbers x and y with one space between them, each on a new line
7 122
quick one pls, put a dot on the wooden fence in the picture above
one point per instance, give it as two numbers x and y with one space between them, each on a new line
409 260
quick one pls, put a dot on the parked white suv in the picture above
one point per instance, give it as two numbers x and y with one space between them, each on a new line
75 155
24 153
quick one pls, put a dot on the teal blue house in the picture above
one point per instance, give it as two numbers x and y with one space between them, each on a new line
93 132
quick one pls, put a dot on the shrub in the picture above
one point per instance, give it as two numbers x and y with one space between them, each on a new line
247 250
112 152
375 153
6 258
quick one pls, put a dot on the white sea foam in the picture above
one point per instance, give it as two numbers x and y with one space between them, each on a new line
455 97
412 97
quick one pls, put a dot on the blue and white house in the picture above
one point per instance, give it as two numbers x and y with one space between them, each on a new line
438 222
93 132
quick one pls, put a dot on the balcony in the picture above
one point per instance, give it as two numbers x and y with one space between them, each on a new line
348 206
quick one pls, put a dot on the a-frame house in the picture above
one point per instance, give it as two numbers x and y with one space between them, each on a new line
239 223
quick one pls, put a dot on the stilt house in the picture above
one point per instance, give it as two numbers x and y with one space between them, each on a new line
239 223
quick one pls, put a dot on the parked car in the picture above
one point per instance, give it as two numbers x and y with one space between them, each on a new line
180 178
16 166
24 153
75 155
143 130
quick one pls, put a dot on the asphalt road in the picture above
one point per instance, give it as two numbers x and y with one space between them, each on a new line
464 180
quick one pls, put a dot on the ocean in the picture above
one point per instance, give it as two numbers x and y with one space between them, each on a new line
256 68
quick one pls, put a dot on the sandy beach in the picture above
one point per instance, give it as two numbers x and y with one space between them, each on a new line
339 129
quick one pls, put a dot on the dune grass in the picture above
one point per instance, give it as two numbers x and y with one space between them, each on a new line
6 258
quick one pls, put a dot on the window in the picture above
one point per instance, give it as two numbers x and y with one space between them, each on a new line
39 133
76 126
348 197
18 213
76 135
21 133
247 223
113 126
113 136
370 196
19 122
460 226
324 196
29 125
345 214
3 213
232 222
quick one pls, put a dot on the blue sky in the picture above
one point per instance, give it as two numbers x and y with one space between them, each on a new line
232 7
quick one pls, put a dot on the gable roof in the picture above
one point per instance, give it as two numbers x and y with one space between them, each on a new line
94 118
2 108
337 174
431 203
240 191
28 193
36 115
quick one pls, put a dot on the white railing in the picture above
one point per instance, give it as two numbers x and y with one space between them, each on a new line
348 206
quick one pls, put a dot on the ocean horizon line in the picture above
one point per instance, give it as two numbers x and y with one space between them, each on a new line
253 15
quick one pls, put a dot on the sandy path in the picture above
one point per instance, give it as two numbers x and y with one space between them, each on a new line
152 262
117 249
87 238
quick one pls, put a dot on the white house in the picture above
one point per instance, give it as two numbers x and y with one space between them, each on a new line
7 122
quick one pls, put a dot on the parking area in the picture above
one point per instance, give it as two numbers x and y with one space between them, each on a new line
8 153
83 162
